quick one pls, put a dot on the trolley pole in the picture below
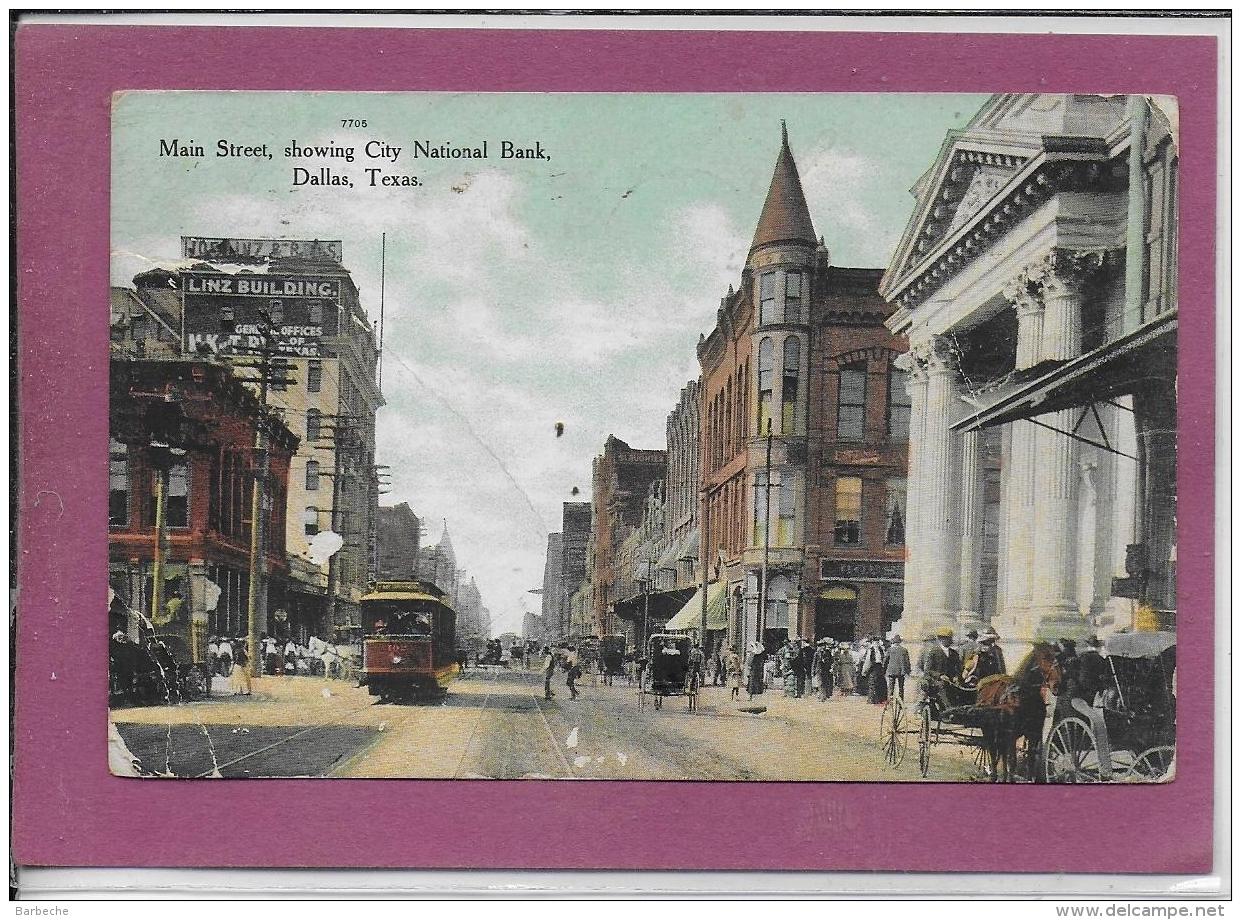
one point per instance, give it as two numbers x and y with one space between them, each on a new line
762 588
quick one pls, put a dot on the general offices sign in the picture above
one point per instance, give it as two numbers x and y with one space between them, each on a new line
229 314
233 249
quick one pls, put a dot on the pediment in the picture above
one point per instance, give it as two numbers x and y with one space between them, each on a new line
967 176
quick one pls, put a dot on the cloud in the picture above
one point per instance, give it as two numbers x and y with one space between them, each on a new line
838 182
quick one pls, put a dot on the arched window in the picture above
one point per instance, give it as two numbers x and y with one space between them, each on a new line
766 372
312 475
788 395
312 424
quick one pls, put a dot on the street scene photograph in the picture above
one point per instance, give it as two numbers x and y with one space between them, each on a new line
695 437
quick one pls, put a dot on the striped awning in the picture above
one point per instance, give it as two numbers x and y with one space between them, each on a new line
690 616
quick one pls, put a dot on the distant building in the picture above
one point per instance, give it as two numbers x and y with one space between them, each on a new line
621 478
575 550
554 596
400 532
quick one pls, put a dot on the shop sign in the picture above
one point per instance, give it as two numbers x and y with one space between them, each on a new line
232 249
863 570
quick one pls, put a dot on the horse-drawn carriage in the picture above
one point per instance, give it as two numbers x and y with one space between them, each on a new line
1127 733
668 671
612 656
992 717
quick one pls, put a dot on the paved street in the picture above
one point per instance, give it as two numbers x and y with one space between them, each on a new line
495 724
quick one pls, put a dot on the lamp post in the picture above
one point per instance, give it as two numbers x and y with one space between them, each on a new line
762 588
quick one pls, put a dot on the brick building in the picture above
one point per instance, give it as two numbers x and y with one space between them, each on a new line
803 437
198 421
400 534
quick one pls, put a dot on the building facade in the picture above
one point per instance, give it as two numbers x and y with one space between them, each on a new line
193 423
399 537
575 518
554 597
1036 281
621 479
796 455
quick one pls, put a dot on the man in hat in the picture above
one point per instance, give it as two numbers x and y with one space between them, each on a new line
968 649
896 667
940 662
822 667
988 659
1092 675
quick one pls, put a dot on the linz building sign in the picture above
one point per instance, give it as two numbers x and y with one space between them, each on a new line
243 250
863 570
227 314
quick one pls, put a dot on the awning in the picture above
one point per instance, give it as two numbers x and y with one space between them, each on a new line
1145 357
661 605
690 549
690 616
670 556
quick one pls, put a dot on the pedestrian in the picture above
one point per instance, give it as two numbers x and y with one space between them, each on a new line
877 684
842 668
821 666
213 655
270 650
695 672
940 662
896 667
572 673
225 647
732 664
462 658
549 669
987 660
755 662
241 671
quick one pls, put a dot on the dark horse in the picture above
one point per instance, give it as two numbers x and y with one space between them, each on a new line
1012 707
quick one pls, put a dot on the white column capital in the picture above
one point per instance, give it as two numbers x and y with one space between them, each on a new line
1022 292
1063 272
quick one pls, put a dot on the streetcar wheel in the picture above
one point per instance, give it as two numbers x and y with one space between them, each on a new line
924 742
1072 754
1154 765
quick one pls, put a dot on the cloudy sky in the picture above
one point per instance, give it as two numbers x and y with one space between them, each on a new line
521 293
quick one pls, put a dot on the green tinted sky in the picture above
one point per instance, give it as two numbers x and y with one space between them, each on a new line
521 293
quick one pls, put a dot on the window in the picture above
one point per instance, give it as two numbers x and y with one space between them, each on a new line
310 520
314 376
788 512
777 617
316 312
894 523
766 358
312 424
849 509
851 403
767 299
140 327
1159 264
788 392
312 475
275 312
118 484
792 298
177 506
898 404
760 508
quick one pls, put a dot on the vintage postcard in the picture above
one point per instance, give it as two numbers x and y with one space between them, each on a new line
643 436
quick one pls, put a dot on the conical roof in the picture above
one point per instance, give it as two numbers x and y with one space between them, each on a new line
785 215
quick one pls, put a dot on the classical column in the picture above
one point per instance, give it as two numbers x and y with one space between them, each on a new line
971 530
1019 462
911 364
1054 610
940 481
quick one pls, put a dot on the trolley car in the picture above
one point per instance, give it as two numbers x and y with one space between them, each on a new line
409 640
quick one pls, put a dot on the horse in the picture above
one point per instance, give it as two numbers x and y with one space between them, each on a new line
1011 707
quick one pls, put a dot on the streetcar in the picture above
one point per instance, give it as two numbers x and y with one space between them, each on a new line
409 641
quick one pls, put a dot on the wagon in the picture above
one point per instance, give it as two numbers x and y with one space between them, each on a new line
668 672
1128 733
952 718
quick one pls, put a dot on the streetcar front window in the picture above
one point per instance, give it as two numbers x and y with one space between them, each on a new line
397 619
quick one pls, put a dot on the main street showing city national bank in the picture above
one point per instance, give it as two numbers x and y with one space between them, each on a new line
643 437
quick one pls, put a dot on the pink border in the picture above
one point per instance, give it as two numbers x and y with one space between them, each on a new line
68 811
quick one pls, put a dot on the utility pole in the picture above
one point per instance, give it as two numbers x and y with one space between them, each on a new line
646 604
256 598
762 588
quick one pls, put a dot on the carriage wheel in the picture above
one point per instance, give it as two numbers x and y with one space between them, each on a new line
924 742
893 739
1072 754
1153 765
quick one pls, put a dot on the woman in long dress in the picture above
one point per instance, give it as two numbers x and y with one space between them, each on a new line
842 668
754 660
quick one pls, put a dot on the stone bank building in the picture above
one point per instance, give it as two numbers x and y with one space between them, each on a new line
1036 283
